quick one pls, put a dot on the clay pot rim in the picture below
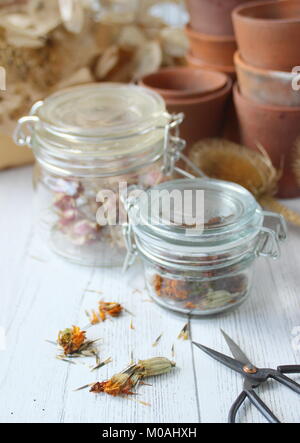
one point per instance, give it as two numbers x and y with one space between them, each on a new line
237 15
204 99
240 62
186 93
208 37
228 70
269 108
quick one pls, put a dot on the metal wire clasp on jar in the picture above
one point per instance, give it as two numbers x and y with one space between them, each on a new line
88 142
200 267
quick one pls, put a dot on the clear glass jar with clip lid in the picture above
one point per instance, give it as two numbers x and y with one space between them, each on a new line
88 141
201 267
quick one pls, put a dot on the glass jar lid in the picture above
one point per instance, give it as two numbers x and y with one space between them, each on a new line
202 213
107 110
100 129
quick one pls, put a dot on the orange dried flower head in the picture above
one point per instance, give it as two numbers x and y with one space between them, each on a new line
112 309
119 384
124 382
71 339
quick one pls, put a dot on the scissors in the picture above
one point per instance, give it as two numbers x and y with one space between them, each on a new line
253 378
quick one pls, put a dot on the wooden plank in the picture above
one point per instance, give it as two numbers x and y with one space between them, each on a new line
43 294
263 327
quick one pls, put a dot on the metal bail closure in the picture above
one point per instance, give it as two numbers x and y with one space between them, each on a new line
130 245
128 202
173 144
23 132
268 244
281 225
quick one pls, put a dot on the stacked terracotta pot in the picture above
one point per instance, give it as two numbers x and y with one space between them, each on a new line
200 94
211 35
267 95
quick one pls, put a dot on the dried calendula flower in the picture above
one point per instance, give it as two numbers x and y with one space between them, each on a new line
124 382
119 384
71 340
108 308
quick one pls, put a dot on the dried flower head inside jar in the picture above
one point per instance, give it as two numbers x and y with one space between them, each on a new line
88 141
198 240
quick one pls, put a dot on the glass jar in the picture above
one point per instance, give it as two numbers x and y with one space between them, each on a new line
200 268
88 141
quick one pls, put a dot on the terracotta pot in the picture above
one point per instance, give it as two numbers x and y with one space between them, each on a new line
182 83
198 63
212 16
268 34
212 49
204 116
266 86
276 129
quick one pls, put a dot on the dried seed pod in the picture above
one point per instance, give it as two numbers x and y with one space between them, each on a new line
124 382
155 366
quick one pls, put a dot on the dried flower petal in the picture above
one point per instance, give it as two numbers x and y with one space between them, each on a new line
184 333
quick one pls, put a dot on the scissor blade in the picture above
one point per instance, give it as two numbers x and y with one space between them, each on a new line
224 359
236 350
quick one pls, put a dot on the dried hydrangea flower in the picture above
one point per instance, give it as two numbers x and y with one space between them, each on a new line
71 340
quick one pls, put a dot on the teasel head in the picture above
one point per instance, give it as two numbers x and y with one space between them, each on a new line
296 164
224 160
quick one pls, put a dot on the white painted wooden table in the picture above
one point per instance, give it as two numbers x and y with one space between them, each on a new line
40 294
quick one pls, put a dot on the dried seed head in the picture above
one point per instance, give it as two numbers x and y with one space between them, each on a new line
119 384
155 366
71 339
